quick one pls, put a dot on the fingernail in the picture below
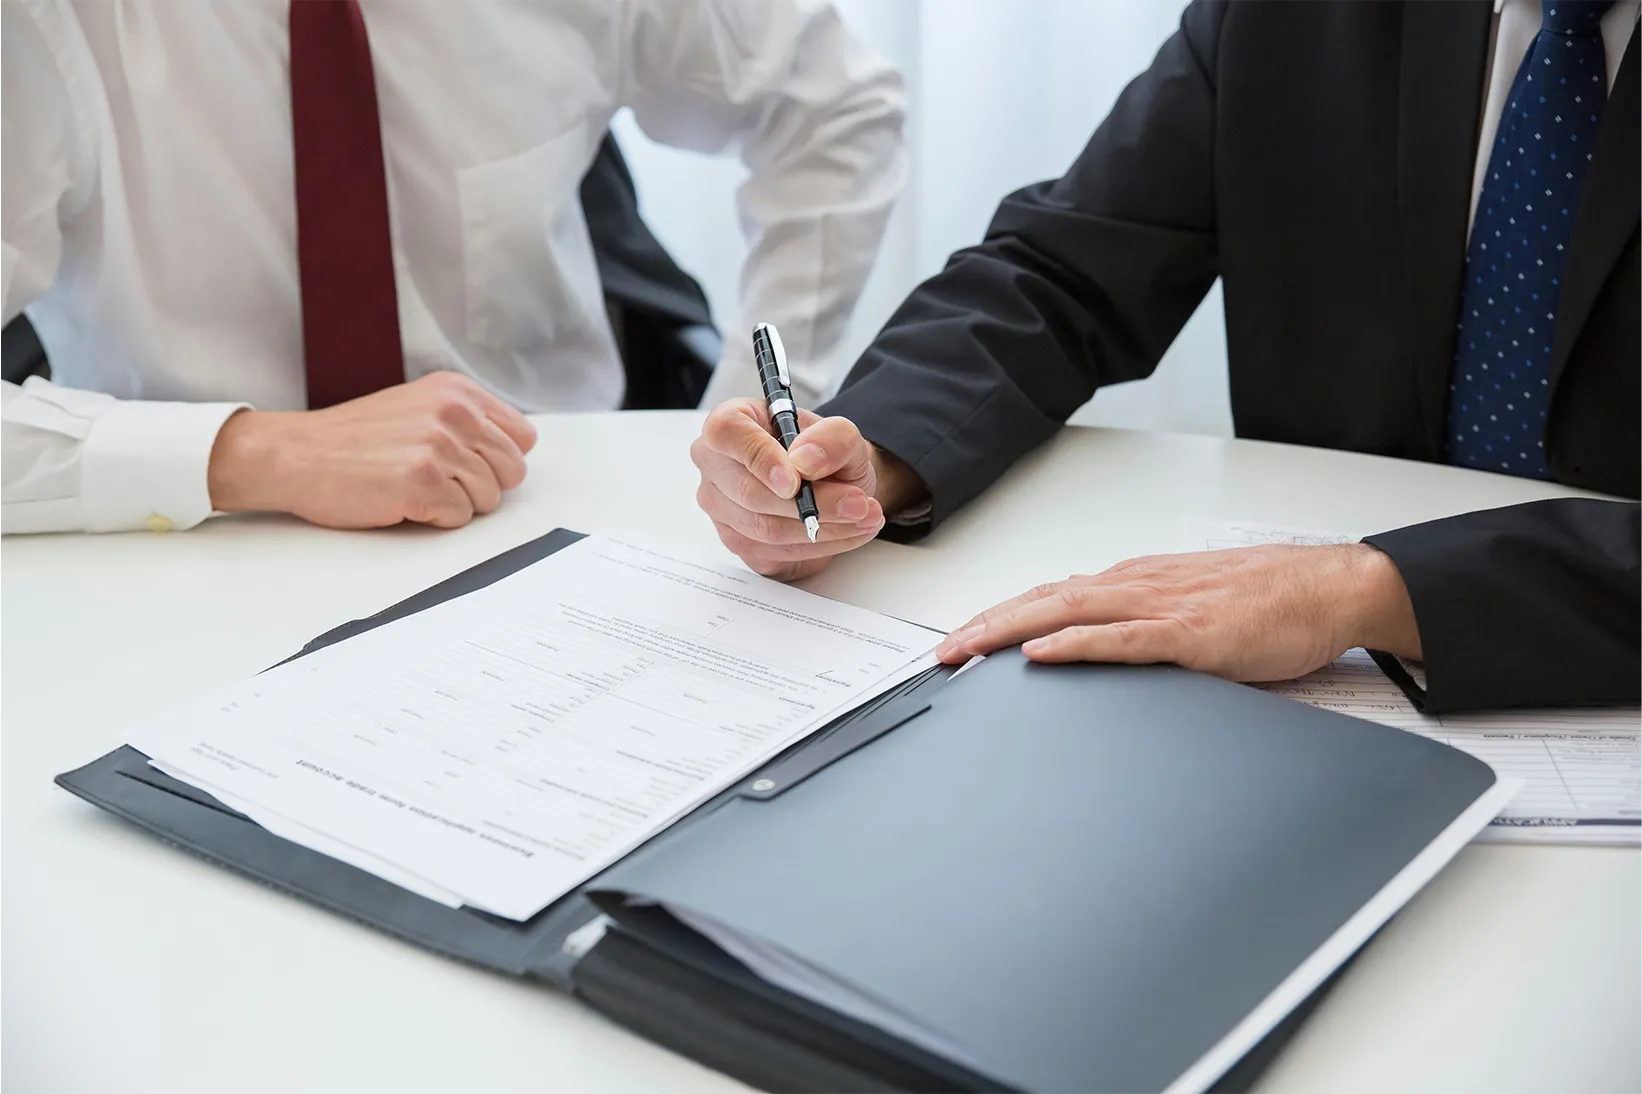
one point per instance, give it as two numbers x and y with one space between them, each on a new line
853 507
969 634
1035 646
783 482
807 459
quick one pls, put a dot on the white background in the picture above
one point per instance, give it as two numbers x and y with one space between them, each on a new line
1001 93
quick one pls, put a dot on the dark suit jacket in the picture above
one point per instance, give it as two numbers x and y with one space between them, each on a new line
1318 158
668 343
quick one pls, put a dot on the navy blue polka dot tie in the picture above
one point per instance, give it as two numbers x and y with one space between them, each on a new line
1500 386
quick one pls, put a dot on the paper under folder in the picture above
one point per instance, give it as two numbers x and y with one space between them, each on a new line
1029 877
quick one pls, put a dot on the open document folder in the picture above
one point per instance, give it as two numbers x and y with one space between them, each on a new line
782 848
501 748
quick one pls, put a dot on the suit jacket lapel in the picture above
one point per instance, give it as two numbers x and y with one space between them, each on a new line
1440 95
1607 214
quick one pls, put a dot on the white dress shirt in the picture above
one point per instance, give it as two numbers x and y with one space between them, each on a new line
149 211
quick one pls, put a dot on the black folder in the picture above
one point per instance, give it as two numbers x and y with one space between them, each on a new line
1077 877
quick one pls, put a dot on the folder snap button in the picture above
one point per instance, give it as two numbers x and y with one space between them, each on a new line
764 784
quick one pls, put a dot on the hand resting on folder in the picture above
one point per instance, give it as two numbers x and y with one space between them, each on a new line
1251 613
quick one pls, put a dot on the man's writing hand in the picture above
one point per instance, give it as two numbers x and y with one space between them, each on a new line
748 482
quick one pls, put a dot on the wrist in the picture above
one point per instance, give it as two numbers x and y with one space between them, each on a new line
898 486
244 473
1381 615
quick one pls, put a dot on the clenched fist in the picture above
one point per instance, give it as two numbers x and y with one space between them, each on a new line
435 451
748 482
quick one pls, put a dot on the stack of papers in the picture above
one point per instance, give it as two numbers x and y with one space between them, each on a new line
1582 767
500 749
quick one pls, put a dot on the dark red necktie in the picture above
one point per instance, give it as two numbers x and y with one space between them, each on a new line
350 309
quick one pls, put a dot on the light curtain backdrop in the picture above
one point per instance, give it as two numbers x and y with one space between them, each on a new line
1001 93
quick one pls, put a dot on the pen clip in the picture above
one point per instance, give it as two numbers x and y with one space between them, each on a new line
779 352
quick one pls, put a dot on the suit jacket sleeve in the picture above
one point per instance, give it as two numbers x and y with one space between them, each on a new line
1529 605
1079 282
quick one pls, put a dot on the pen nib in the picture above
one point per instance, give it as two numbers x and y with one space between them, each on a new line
812 527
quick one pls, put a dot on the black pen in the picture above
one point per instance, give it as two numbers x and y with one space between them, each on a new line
771 358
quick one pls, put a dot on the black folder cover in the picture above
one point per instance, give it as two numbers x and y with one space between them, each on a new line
1078 874
1083 875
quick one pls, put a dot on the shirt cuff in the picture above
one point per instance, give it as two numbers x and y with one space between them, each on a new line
144 465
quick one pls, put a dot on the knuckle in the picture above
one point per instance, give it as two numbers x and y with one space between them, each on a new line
838 431
1073 596
748 492
437 439
766 566
1131 566
424 510
753 553
426 470
1046 590
455 412
1191 614
1124 632
754 454
720 425
853 445
511 475
764 528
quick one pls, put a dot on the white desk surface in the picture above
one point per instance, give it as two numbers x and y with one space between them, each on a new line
129 965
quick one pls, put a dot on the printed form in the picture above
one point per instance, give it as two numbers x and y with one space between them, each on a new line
500 749
1582 767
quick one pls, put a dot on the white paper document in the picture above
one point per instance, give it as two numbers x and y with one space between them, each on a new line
1582 768
503 747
